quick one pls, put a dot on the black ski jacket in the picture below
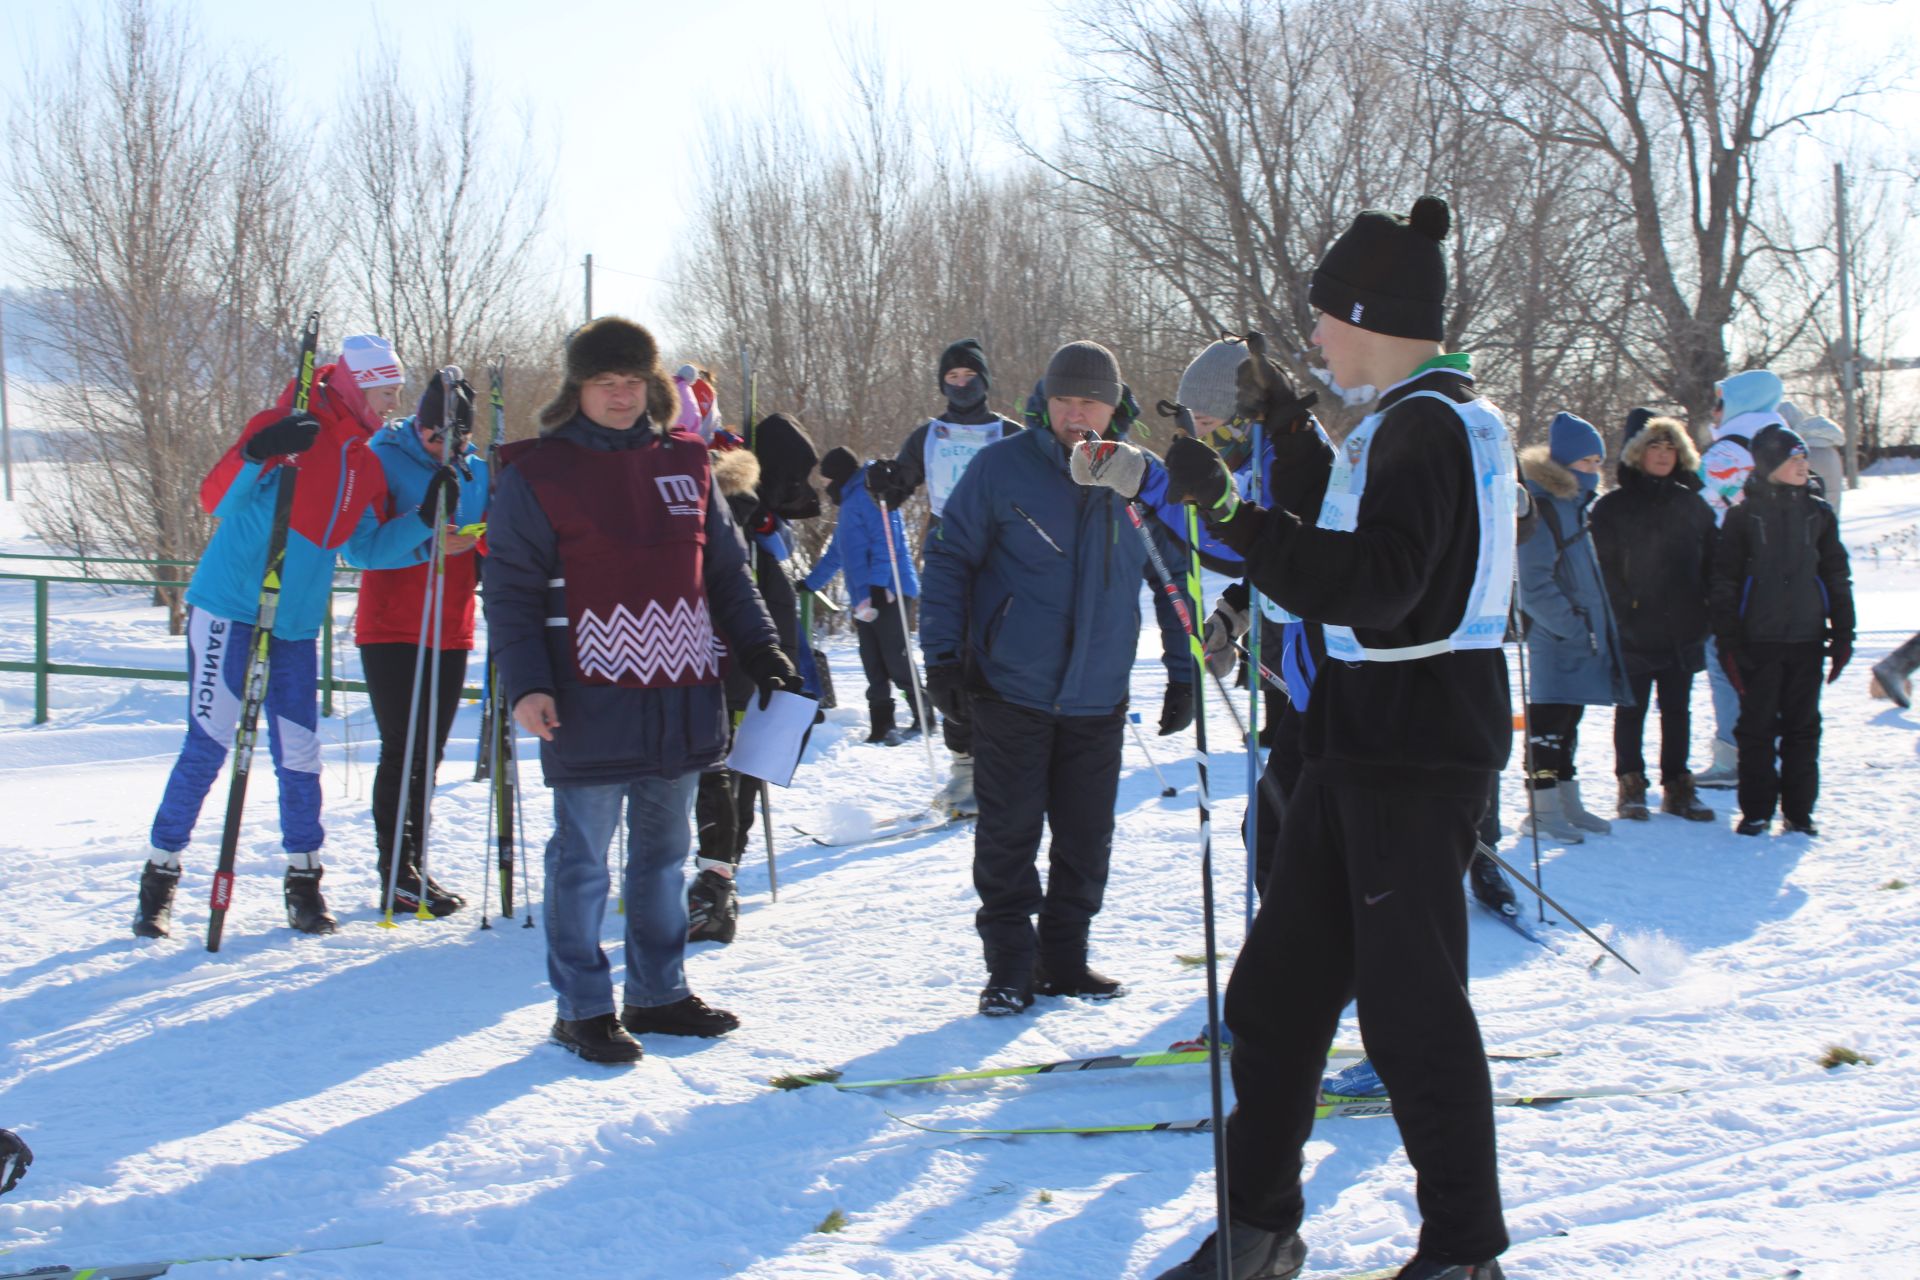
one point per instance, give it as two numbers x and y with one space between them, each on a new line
1780 573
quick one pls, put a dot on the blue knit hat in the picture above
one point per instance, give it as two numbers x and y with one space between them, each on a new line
1755 391
1570 439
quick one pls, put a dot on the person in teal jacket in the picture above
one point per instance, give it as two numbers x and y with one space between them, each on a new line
340 505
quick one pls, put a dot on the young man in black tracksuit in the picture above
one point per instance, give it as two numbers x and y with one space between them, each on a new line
1781 598
1409 570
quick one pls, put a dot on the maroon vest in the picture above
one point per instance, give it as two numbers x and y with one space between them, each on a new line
631 531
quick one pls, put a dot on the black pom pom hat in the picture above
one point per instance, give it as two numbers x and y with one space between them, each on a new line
1387 274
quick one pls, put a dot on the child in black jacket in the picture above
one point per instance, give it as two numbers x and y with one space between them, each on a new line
1781 590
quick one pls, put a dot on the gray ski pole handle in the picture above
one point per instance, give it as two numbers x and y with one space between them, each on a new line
254 691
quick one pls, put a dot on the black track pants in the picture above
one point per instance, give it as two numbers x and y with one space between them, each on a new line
389 670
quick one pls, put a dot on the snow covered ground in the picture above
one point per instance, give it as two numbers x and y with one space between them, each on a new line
396 1086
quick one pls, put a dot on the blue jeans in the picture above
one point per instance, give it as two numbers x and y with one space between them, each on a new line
659 834
1726 703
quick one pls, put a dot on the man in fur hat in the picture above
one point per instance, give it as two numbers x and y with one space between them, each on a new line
613 562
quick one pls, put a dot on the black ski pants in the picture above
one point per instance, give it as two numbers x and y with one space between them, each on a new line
389 671
1033 770
1675 687
1553 731
723 814
1268 816
883 655
1780 710
1366 904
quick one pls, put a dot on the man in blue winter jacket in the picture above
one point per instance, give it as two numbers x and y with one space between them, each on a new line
614 570
1031 611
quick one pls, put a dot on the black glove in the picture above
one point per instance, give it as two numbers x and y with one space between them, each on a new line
771 669
886 482
1277 406
1841 652
294 433
947 689
15 1156
443 479
1176 709
1196 475
880 596
1730 663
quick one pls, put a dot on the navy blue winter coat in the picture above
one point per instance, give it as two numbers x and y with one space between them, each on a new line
608 734
1034 582
1573 646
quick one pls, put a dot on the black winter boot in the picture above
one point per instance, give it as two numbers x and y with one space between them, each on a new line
306 905
1063 979
1257 1255
713 908
1428 1269
687 1016
597 1039
153 918
880 716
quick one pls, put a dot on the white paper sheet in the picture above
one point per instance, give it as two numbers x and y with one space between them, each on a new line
769 741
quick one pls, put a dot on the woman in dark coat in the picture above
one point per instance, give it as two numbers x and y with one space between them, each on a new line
1654 535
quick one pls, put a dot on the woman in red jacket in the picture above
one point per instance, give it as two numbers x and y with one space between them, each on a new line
387 629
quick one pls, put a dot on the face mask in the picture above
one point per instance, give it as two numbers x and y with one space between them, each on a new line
1589 480
967 398
1352 397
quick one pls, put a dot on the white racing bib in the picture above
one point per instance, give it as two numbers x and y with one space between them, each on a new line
1484 625
949 449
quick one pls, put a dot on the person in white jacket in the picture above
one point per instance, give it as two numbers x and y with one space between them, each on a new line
1743 404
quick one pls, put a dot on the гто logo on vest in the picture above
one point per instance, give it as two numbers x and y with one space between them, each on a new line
680 493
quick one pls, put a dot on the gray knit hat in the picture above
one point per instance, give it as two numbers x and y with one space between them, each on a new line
1084 369
1208 387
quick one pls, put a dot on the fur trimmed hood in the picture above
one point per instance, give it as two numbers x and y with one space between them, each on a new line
1539 468
1666 431
611 344
736 472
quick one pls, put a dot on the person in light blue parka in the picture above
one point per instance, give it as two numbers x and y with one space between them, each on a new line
1573 648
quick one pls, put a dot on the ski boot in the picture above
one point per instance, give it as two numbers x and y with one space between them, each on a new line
153 918
407 891
1428 1269
1633 798
1678 797
306 905
1490 887
1255 1255
713 907
955 797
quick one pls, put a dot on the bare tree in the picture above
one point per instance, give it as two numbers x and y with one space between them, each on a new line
444 225
155 184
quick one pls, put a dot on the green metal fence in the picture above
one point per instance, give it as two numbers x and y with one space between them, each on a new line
42 668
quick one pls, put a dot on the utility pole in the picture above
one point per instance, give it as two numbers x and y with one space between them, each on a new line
6 422
1849 362
589 271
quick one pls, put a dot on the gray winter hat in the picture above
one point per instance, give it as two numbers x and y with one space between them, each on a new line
1207 387
1084 369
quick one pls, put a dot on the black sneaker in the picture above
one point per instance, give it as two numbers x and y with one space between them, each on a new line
1428 1269
1490 887
153 918
1257 1255
691 1016
1002 1002
1798 827
713 909
306 905
1088 984
1752 827
600 1038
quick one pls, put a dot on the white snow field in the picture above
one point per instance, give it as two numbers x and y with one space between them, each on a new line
397 1085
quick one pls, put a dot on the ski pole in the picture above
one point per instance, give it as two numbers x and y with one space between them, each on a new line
1223 1255
501 801
1482 847
520 823
1136 516
766 829
399 842
255 689
1526 763
437 575
906 639
1133 722
1254 763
